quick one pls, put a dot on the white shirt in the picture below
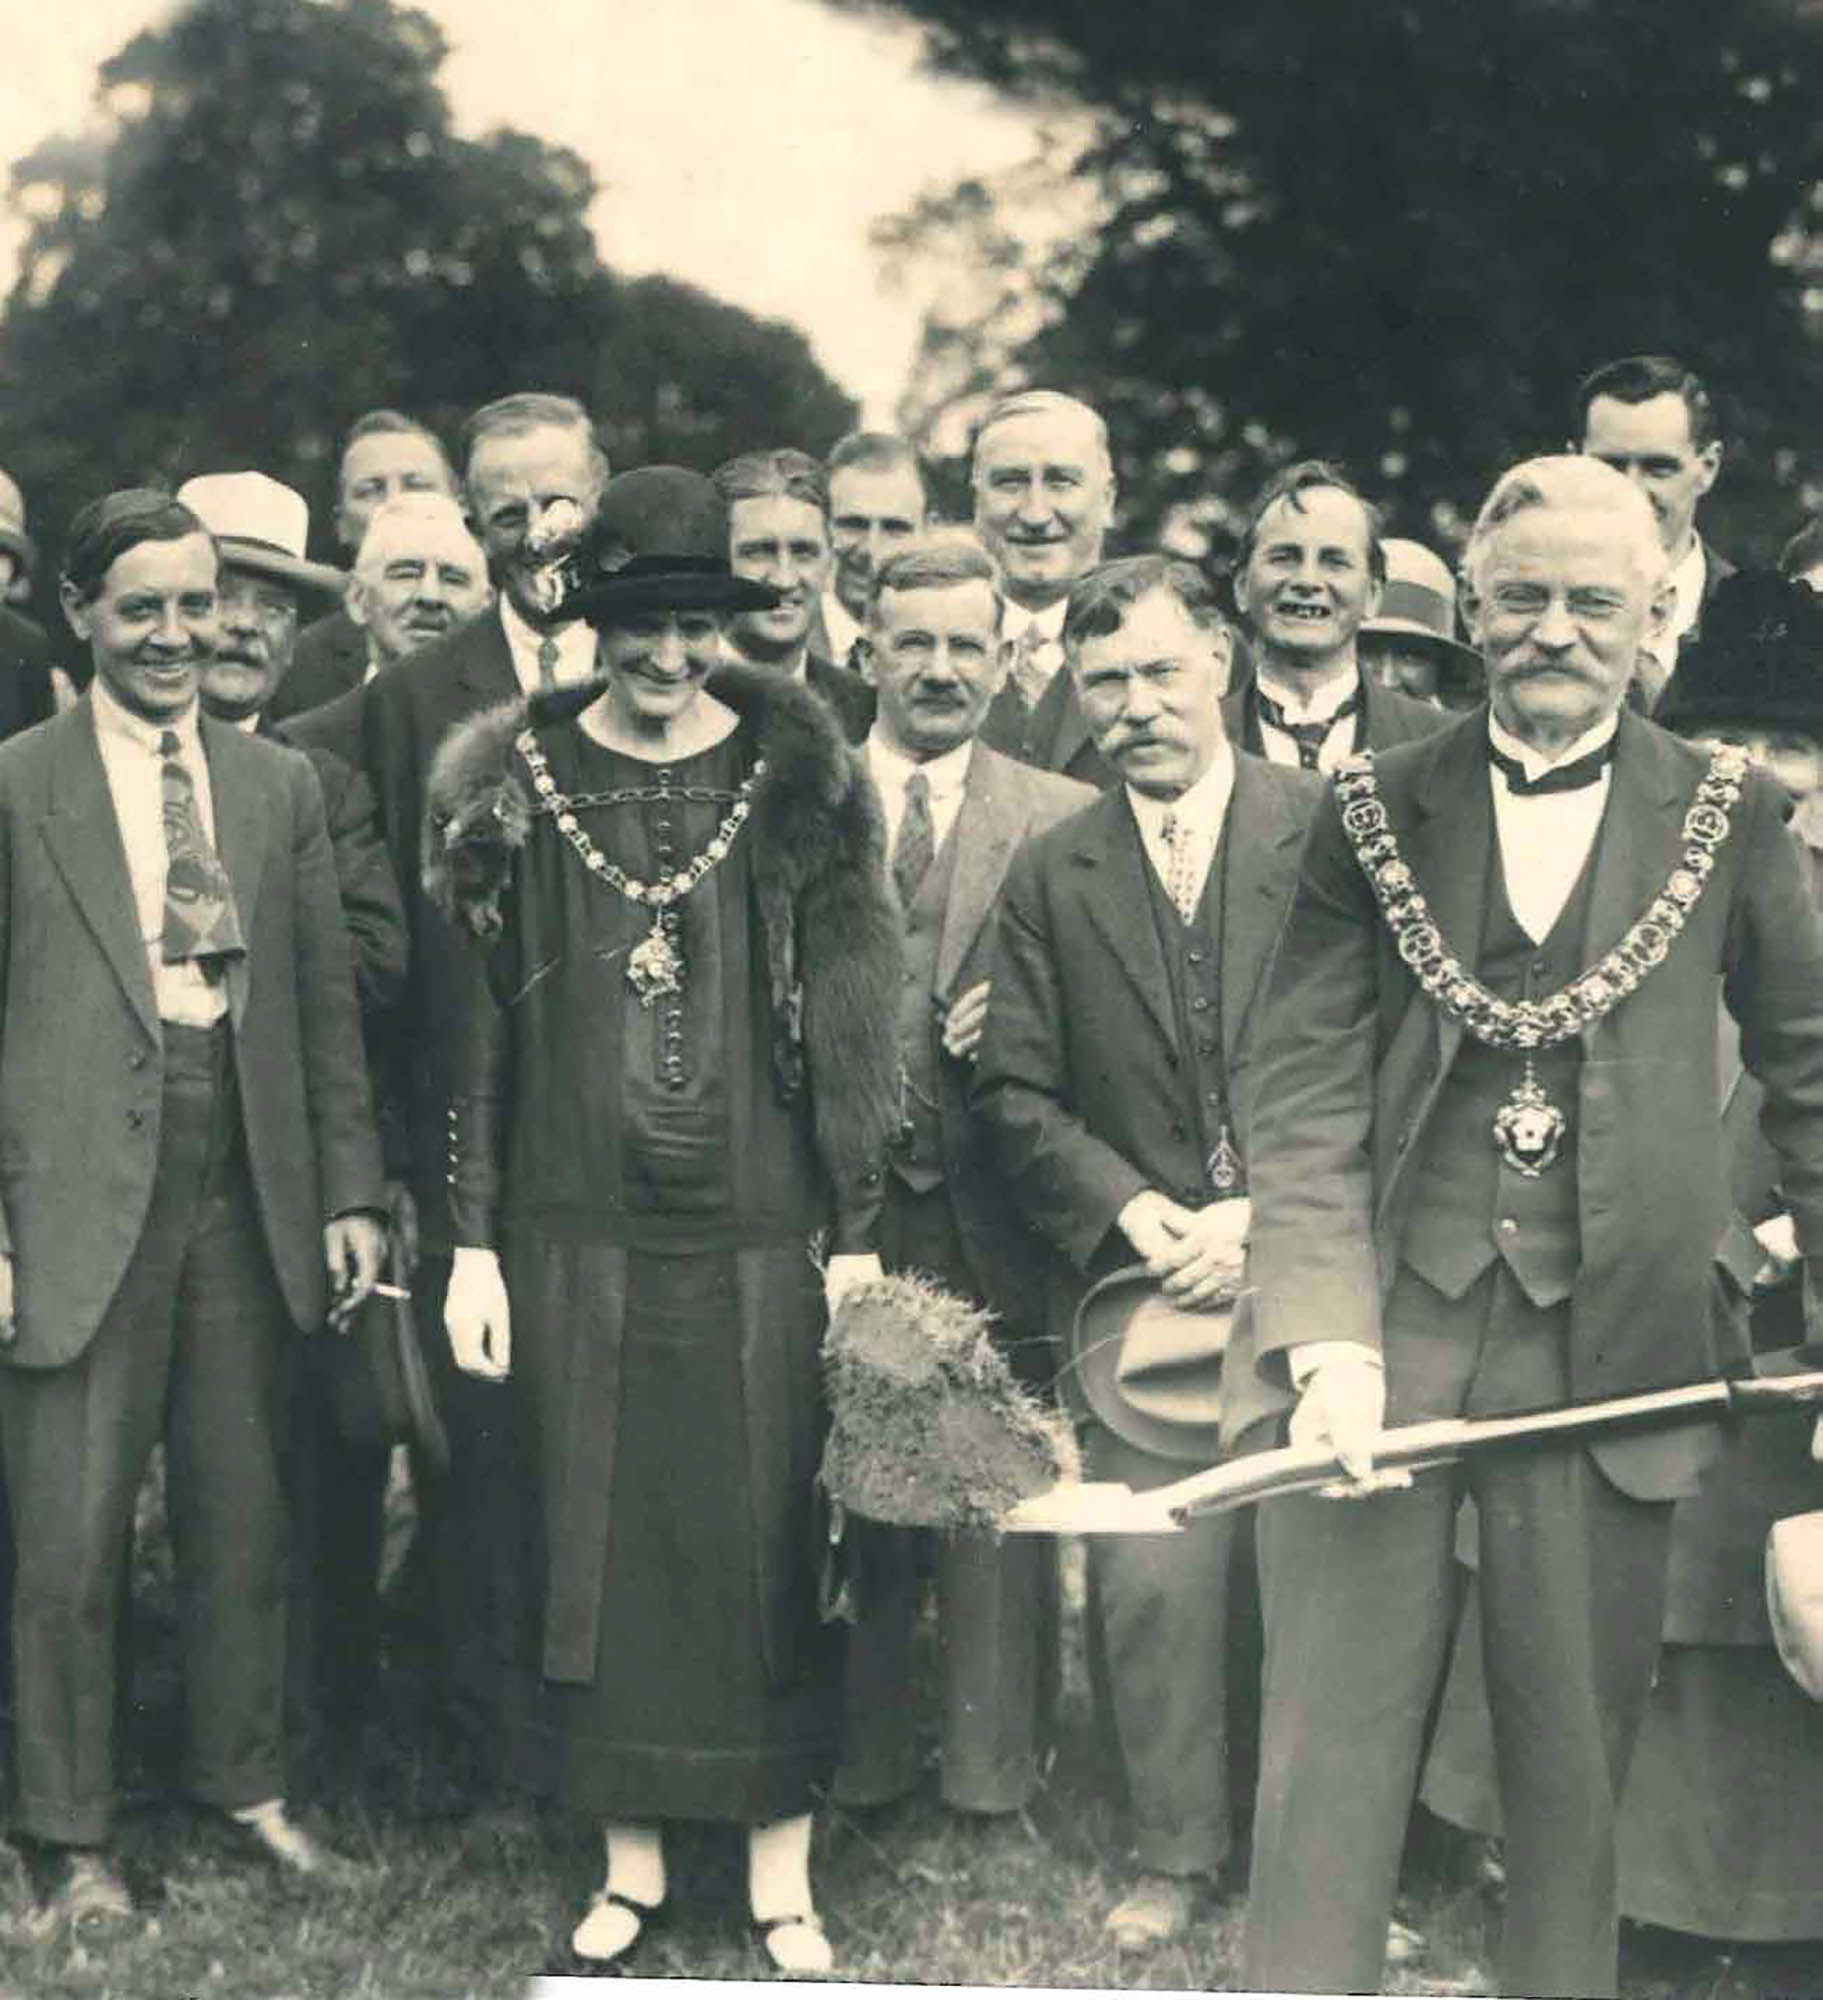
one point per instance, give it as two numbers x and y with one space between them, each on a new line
946 775
575 649
1687 581
1201 811
841 628
1319 704
1545 840
1045 627
135 773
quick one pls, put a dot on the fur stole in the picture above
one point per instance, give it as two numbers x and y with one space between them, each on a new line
831 926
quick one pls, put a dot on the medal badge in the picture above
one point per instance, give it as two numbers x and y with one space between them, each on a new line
655 969
1528 1128
1223 1165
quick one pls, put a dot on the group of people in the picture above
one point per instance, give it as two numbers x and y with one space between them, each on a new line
637 910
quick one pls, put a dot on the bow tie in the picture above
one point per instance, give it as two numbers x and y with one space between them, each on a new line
1574 776
1308 736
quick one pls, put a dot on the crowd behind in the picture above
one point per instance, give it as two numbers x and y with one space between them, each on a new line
634 879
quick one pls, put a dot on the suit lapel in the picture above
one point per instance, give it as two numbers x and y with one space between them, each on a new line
1449 845
988 828
82 832
1264 840
240 838
1072 725
1118 900
487 661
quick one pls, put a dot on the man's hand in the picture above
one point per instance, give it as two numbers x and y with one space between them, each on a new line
354 1247
963 1024
1342 1409
404 1213
8 1331
842 1274
477 1317
1195 1252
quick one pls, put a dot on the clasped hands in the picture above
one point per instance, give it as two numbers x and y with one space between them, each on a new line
1195 1253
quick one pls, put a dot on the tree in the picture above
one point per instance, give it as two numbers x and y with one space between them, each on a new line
279 229
1397 236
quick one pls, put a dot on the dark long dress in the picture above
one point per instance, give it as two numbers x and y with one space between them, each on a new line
655 1219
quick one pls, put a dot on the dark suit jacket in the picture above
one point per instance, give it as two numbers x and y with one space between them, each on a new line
1349 1075
79 1052
1392 717
330 658
1059 730
25 674
403 715
1003 803
1080 1077
847 693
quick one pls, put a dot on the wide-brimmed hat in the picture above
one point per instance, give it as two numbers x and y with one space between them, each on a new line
1418 601
658 543
261 524
1149 1370
13 537
1756 659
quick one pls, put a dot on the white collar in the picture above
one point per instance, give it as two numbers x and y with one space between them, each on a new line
1199 805
841 627
114 718
946 774
1536 762
524 638
1017 621
1319 703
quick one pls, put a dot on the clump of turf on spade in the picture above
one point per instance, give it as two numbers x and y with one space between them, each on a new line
930 1428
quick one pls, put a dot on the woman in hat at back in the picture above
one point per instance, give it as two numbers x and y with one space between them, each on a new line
682 1100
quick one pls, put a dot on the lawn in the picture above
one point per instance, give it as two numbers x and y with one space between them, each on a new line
475 1905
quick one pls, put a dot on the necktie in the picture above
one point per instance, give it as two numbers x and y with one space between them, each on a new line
917 841
547 662
1180 878
1308 736
200 920
1571 777
1033 665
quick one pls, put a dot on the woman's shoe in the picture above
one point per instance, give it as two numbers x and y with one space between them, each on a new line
612 1928
797 1945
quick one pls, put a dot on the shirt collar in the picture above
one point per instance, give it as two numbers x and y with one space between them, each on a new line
1047 624
524 638
946 774
113 718
841 626
1536 762
1319 704
1203 805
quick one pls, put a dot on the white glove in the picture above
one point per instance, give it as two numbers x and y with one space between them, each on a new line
842 1274
476 1315
1342 1409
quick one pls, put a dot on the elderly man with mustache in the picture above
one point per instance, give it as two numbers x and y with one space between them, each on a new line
418 575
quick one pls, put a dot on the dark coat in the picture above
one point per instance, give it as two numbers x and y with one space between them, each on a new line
79 1057
1004 803
1080 1079
1056 737
1392 717
852 699
1351 1070
329 659
25 675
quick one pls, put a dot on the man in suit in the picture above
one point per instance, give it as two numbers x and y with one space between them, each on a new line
956 812
1460 1212
418 574
533 475
1043 481
778 534
336 1486
181 1069
1116 1077
385 454
877 506
1651 419
1310 572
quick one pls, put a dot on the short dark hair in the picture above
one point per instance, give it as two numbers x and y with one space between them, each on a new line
106 529
1310 475
395 423
531 410
1805 549
762 475
941 560
1101 600
1637 378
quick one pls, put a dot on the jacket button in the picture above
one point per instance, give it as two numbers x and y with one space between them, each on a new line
137 1060
136 1119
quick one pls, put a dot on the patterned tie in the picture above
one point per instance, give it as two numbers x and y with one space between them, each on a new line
547 663
1034 664
1180 876
917 841
1308 736
200 920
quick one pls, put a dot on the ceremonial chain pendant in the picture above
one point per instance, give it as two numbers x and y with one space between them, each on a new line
1223 1165
1528 1127
655 968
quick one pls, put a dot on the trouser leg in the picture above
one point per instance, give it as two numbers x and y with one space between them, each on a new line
879 1719
997 1632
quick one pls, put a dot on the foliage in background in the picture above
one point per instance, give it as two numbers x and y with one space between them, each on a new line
1395 235
280 229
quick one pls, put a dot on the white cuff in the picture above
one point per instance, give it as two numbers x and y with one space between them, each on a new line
1305 1359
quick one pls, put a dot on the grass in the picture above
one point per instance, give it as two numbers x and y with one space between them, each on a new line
475 1906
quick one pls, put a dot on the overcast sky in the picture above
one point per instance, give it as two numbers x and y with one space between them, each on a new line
743 144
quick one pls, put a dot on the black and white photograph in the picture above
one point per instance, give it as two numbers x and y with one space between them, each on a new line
911 997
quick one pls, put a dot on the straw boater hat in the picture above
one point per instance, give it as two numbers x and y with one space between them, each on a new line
659 542
1756 659
13 537
1149 1370
1419 602
259 525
